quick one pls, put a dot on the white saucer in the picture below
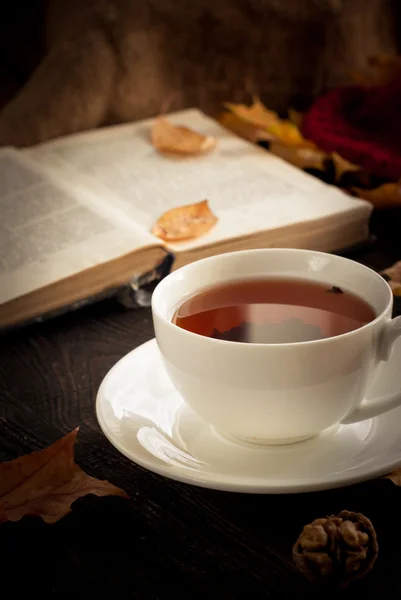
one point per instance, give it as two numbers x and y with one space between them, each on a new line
144 417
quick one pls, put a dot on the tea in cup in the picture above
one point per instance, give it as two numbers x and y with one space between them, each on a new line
275 346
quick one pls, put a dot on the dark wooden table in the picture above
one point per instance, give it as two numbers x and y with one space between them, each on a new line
169 537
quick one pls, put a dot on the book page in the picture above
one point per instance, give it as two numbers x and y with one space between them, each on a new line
248 188
49 230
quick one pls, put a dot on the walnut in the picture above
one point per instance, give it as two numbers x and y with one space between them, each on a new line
336 549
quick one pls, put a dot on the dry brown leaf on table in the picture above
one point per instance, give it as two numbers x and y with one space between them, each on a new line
341 165
46 483
394 476
178 139
387 195
185 222
301 157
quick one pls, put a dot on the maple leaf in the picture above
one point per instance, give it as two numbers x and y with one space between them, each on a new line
185 222
47 482
257 114
341 165
280 130
385 196
177 139
241 128
303 158
288 133
248 123
295 117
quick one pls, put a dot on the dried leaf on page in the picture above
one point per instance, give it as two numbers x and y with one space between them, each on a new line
178 139
185 222
46 483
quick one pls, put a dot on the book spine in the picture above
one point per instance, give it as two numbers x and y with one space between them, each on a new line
137 293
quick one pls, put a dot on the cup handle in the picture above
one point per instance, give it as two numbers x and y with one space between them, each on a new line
377 406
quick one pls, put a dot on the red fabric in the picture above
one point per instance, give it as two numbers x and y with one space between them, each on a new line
362 124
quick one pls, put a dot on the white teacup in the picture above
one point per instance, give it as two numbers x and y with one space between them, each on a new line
283 392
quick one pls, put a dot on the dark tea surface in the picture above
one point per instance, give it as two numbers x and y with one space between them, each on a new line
273 311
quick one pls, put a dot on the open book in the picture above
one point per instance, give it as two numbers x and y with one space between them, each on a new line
76 213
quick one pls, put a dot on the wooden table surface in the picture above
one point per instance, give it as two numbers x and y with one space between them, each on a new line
169 537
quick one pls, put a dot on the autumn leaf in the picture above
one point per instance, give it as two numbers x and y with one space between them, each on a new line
288 133
387 195
177 139
241 128
395 287
256 114
185 222
295 117
303 158
393 272
47 482
342 166
395 477
393 276
280 130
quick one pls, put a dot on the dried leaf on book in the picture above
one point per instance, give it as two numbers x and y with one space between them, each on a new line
185 222
46 483
178 139
387 195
